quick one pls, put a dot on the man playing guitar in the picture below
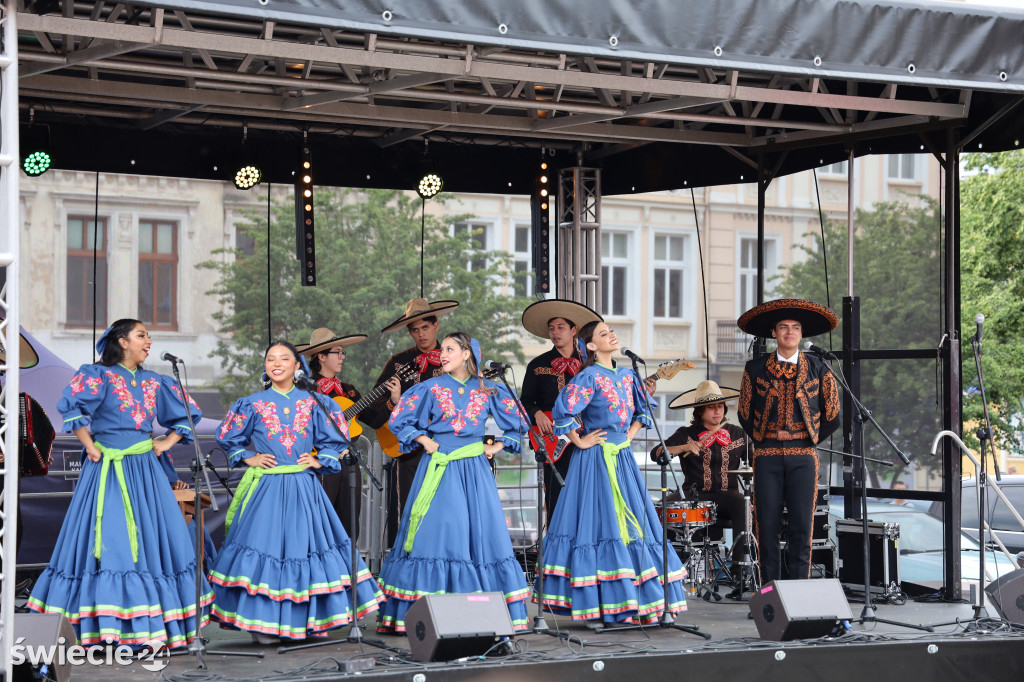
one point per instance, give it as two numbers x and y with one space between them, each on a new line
547 375
420 320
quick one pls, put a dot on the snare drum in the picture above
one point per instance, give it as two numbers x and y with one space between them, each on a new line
688 513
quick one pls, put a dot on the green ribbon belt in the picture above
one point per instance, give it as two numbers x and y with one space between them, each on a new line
114 455
248 484
622 513
435 469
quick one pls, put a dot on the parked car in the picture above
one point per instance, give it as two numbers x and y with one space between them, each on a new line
999 518
920 544
521 520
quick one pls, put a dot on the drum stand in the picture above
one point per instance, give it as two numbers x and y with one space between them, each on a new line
749 568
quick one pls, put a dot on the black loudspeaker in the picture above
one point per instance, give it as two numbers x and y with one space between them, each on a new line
42 632
799 609
1007 594
443 627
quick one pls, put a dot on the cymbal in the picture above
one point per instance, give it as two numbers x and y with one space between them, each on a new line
748 471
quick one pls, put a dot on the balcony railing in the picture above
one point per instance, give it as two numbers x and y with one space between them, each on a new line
731 344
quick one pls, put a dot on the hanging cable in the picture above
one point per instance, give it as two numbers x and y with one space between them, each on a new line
824 251
95 246
270 329
703 286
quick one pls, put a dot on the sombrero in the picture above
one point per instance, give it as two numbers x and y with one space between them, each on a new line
706 393
323 339
27 356
814 318
536 316
418 308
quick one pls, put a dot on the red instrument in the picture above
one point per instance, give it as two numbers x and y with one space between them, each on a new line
687 513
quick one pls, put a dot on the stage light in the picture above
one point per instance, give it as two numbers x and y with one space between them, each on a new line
430 185
540 223
36 163
305 234
247 177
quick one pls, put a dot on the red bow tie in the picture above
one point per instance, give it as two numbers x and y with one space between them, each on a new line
568 366
430 358
709 437
330 386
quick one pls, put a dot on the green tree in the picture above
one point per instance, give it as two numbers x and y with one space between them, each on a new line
368 267
992 263
896 276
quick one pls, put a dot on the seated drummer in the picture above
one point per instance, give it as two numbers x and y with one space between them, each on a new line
709 447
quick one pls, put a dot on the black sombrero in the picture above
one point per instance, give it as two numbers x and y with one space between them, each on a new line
814 318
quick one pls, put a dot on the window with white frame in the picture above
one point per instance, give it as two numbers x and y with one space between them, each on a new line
840 168
902 167
614 266
523 274
477 242
669 275
83 234
158 273
747 297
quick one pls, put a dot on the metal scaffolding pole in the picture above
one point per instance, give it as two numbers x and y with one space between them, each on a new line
579 235
9 233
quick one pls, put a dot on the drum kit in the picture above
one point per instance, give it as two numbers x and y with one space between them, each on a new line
707 560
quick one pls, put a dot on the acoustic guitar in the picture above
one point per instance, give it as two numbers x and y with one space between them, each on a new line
557 446
351 409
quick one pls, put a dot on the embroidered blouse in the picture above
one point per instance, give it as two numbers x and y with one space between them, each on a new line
285 425
454 414
120 414
604 398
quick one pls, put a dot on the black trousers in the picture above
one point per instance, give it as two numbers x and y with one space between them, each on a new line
400 479
790 480
337 488
552 488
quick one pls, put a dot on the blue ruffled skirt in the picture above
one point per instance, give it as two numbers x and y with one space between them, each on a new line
284 569
462 545
116 599
589 571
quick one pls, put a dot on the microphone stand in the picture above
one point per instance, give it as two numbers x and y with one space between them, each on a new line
666 620
540 626
984 436
353 460
864 414
220 477
197 647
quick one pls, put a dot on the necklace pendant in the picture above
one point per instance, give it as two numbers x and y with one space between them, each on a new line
287 410
134 382
462 391
618 384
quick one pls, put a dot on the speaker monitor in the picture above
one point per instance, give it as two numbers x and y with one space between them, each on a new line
43 631
443 627
1007 594
799 609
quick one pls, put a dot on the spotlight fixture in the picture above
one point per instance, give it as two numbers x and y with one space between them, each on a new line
36 163
247 177
305 234
540 229
430 185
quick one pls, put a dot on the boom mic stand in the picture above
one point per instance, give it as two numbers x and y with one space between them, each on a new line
540 626
666 620
864 414
984 436
353 459
197 647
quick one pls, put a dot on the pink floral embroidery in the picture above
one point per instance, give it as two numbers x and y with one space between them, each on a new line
303 411
140 412
268 414
574 393
177 392
76 384
444 400
342 423
288 439
232 421
149 389
121 390
94 384
406 402
616 403
508 405
477 404
459 419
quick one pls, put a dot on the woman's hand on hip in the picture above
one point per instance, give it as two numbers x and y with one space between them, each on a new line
309 460
262 460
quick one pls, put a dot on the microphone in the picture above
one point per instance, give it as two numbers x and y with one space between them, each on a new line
632 356
494 365
818 350
303 381
979 319
174 360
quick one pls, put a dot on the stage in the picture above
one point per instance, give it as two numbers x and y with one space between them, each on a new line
875 651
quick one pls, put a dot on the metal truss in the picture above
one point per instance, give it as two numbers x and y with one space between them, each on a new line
153 66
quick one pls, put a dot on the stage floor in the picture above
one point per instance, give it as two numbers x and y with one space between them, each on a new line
877 651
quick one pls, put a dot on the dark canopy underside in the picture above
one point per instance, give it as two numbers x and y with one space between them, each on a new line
661 94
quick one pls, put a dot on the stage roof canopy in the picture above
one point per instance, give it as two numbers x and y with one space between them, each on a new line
660 94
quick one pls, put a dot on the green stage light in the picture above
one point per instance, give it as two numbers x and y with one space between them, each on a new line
36 163
247 177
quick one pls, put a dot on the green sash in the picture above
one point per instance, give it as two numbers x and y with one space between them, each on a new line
248 484
432 479
114 455
622 513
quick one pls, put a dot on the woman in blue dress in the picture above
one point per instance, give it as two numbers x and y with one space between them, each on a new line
602 554
284 569
453 536
123 569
